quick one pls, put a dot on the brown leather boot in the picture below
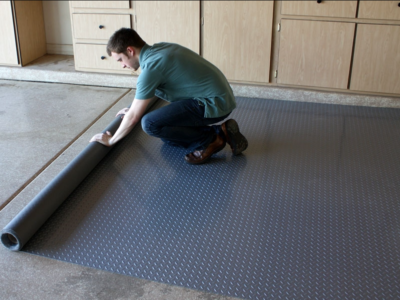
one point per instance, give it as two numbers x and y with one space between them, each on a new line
234 138
201 156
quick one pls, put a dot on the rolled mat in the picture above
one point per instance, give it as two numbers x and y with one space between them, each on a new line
18 232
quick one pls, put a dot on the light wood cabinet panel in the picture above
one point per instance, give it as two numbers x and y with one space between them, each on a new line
169 21
100 4
237 38
31 31
98 26
315 53
343 9
8 44
376 59
26 41
384 10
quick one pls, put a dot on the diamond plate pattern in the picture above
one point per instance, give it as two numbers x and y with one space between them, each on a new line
310 211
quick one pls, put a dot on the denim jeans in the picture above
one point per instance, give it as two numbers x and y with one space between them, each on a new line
182 124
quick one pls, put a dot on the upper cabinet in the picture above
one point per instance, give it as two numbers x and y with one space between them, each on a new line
237 38
22 37
383 10
169 21
315 53
343 9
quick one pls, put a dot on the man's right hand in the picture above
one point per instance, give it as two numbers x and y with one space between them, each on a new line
122 112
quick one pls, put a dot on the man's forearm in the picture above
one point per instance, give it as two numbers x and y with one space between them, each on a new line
125 127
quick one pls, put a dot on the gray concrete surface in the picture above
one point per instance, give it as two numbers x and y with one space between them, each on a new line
38 121
26 276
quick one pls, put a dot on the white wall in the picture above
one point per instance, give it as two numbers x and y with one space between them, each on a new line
57 24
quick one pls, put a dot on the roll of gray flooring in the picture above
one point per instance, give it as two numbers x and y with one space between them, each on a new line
32 217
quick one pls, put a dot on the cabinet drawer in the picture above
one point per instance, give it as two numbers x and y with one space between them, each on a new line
98 26
100 4
383 10
89 56
340 9
376 61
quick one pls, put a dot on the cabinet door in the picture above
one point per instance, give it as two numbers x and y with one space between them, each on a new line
376 62
169 21
315 53
7 38
100 4
98 26
384 10
343 9
237 38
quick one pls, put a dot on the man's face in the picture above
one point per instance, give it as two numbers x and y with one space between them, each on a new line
127 61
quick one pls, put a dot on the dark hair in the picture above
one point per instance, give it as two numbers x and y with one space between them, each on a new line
122 39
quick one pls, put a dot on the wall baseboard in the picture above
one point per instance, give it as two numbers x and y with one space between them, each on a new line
60 49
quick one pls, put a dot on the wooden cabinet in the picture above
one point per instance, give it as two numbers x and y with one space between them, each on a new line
383 10
93 23
315 53
343 9
317 45
22 38
169 21
237 38
376 59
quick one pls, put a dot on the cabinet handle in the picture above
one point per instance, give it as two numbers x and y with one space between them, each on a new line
101 26
103 58
398 4
319 1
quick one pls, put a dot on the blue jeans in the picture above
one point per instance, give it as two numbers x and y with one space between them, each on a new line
182 124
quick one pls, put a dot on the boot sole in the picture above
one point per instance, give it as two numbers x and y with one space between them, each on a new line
236 139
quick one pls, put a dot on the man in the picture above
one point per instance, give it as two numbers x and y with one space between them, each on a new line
199 94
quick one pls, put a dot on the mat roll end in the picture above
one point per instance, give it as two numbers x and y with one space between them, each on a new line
10 240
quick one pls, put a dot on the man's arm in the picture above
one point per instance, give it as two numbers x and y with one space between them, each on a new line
131 118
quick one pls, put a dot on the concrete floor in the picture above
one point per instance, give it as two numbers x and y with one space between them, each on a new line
44 131
45 126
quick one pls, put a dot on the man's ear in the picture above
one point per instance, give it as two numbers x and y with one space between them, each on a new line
130 50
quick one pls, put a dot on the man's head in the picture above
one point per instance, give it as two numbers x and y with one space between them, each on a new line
124 46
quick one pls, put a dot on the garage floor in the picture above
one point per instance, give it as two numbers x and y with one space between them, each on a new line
33 153
44 126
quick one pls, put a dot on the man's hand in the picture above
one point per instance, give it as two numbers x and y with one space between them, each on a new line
122 112
102 138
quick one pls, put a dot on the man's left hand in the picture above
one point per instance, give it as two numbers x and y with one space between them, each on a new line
102 138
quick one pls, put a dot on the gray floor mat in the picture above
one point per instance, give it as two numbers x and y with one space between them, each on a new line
310 210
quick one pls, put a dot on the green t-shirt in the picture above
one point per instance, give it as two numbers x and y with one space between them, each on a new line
174 73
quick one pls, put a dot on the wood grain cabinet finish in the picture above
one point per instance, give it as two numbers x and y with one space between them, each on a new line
100 4
376 59
315 53
169 21
8 43
98 26
343 9
383 10
237 38
26 41
91 56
